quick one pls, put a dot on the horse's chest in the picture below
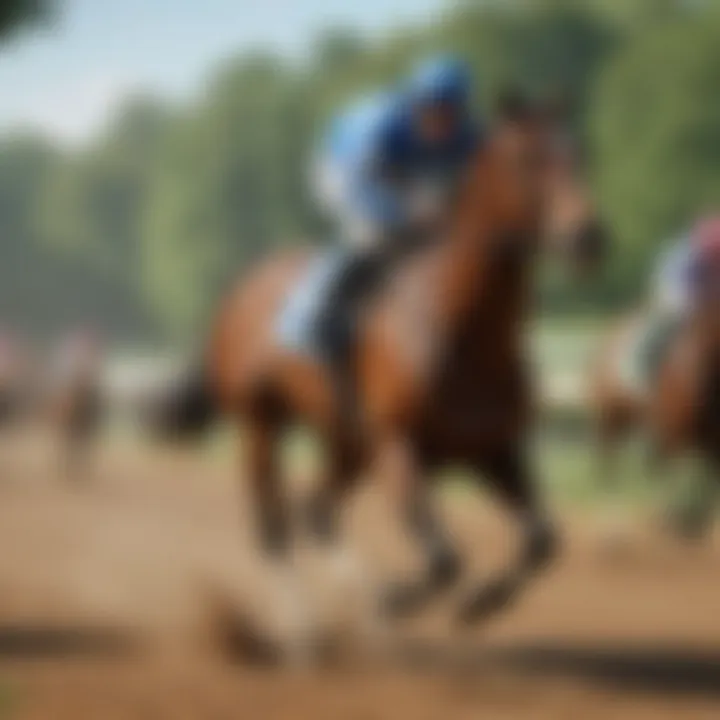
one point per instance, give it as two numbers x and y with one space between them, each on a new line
463 394
469 412
474 374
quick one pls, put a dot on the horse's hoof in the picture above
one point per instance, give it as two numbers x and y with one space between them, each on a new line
406 599
444 572
689 529
542 549
403 600
490 599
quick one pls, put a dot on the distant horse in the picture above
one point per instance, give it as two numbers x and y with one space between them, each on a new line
73 401
174 409
679 411
13 381
441 364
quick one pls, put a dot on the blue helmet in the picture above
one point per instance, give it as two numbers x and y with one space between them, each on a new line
443 79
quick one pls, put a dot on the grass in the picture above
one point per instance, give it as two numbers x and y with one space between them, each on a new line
566 466
569 470
565 457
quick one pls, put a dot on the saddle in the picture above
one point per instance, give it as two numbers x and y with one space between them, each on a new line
648 345
319 315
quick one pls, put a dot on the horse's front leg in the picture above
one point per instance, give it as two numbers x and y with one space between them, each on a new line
411 490
511 478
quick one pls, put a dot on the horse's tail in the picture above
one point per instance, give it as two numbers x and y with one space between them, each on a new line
188 410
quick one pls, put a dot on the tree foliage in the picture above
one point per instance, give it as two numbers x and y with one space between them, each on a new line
656 124
143 227
18 13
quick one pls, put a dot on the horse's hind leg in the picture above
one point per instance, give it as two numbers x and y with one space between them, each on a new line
262 476
442 562
508 472
607 435
350 584
322 511
690 513
274 533
611 434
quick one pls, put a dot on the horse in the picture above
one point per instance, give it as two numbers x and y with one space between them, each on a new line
680 409
174 409
441 369
73 402
13 381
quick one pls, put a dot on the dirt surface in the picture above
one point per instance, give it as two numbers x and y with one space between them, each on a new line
113 593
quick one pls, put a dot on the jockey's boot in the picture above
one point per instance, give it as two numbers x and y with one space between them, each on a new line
337 334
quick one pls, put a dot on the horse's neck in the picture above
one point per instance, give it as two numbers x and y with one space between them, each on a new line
483 287
490 333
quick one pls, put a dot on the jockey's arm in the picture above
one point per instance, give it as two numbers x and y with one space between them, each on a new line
394 199
369 199
380 193
368 204
378 204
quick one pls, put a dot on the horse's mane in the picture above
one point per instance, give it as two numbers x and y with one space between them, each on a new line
446 273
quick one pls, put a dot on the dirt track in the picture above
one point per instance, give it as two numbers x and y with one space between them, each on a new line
104 598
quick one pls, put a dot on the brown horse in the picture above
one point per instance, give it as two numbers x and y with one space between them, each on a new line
680 411
73 401
441 363
13 380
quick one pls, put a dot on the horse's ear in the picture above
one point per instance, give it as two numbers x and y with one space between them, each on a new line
512 105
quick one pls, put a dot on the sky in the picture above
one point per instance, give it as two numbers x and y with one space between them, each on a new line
66 79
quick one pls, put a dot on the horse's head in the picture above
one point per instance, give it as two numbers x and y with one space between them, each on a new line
538 193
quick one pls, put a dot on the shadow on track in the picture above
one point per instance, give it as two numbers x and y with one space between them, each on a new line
39 641
668 670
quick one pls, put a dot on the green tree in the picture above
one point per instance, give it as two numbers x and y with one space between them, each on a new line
657 138
17 13
230 186
93 203
25 162
145 225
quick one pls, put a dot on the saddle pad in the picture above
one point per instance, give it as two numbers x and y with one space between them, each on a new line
646 345
298 318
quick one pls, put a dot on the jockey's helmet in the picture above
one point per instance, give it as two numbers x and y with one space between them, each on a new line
441 80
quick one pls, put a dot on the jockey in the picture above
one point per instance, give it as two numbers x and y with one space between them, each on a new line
681 276
386 172
683 269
